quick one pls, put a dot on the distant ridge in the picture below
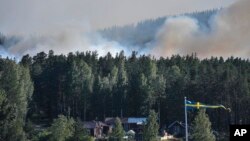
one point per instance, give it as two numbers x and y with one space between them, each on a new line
144 32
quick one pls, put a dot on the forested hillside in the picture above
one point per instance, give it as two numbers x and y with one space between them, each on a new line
144 32
85 86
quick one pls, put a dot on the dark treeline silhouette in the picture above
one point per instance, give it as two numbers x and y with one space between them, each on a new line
85 86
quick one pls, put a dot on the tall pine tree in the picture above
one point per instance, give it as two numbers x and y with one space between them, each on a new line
202 128
118 132
150 131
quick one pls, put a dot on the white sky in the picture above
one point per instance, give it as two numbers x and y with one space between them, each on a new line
31 15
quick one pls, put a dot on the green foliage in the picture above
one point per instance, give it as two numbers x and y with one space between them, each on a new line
87 138
16 89
43 135
201 129
150 131
80 133
90 87
80 86
29 130
117 132
62 128
2 97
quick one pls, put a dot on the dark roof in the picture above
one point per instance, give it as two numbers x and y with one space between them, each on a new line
111 120
177 123
93 124
89 124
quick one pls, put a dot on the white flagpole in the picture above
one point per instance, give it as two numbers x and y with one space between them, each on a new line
186 125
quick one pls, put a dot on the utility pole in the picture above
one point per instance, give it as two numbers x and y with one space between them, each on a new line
186 125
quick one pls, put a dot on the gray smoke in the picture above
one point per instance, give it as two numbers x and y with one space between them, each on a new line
229 34
62 41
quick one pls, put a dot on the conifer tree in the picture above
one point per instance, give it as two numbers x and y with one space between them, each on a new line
62 128
16 89
202 128
80 133
118 132
151 128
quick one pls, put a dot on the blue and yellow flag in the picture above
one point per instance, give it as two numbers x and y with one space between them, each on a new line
198 105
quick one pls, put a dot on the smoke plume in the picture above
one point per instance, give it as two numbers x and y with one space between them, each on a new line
62 41
229 34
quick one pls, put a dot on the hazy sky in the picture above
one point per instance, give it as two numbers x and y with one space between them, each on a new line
31 15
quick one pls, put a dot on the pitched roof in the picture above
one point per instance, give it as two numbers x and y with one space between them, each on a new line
93 124
111 120
178 123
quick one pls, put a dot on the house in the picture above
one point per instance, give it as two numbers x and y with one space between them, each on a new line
96 129
130 123
134 124
177 129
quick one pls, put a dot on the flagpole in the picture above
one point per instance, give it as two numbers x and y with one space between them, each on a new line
186 125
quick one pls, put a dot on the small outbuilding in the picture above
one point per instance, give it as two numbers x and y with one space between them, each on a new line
177 129
96 129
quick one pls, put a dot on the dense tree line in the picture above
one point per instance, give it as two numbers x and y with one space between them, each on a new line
16 89
87 87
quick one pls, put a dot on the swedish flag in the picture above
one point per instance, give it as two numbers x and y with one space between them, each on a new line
198 105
